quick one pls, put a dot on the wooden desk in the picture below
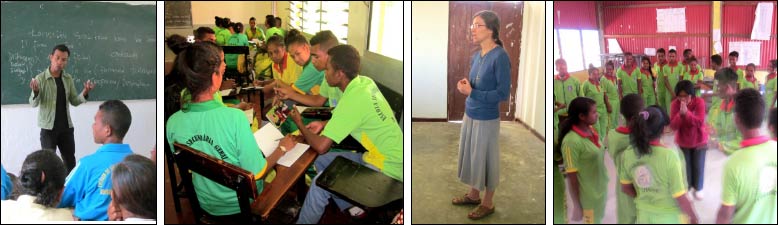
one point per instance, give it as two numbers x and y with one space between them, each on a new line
285 178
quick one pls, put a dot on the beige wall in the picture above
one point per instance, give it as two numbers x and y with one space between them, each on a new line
237 11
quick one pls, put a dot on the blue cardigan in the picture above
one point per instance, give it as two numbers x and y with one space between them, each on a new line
491 87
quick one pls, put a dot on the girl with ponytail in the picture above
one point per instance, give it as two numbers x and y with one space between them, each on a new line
583 158
487 84
653 173
618 142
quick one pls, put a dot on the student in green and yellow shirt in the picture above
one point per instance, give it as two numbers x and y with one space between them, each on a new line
661 91
224 33
310 78
583 159
237 39
566 88
653 174
646 82
671 74
320 43
694 75
618 141
688 54
610 84
750 80
363 113
715 64
748 192
592 88
732 60
210 127
285 71
628 76
724 129
771 88
560 197
254 32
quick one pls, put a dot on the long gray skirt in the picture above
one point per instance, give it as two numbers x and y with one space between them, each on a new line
479 153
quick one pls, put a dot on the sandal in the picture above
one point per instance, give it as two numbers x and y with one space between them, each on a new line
480 212
464 200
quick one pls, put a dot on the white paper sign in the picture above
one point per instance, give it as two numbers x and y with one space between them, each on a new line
613 46
717 46
671 20
650 51
763 22
749 52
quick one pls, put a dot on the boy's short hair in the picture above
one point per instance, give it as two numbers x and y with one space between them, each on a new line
117 116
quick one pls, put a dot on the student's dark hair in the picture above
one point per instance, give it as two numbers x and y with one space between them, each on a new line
672 51
627 54
278 20
295 39
43 176
716 59
492 22
687 51
773 64
346 59
661 50
579 106
726 76
202 31
270 20
646 126
610 63
691 59
61 48
591 69
751 65
749 108
252 18
734 54
218 21
277 40
631 105
177 43
134 185
325 39
197 64
237 27
117 116
646 58
773 121
685 86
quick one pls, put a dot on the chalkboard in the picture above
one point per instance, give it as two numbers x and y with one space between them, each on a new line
178 14
112 44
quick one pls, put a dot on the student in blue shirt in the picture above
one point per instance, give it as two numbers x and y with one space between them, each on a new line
7 185
88 187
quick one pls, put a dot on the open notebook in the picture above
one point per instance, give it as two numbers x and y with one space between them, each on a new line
268 138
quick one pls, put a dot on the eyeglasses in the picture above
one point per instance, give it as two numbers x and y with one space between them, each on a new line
475 25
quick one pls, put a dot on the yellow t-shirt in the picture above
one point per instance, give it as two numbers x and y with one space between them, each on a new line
290 73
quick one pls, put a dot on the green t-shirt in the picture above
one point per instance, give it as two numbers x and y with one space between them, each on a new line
186 98
749 182
618 142
744 83
310 80
597 93
560 211
222 36
584 156
726 132
629 80
771 88
221 132
235 40
612 91
565 91
331 93
273 31
647 83
657 177
364 114
694 78
673 74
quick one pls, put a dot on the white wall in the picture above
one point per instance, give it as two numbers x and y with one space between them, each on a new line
531 85
21 134
429 51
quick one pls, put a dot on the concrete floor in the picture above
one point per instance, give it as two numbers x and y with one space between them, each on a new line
520 196
706 209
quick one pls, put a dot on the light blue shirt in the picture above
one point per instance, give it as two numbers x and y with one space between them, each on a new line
7 185
88 186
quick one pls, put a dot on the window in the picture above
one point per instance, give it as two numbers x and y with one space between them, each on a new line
313 16
578 47
386 29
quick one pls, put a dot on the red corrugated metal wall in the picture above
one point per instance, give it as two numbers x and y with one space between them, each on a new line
639 24
575 15
738 20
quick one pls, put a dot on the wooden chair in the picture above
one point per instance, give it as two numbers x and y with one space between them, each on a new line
380 195
219 171
240 77
174 184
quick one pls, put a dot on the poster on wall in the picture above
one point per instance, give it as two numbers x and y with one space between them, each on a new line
671 20
749 52
763 22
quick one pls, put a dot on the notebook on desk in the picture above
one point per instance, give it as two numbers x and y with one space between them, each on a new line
268 137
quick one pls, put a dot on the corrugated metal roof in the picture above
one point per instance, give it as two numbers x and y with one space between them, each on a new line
642 20
738 20
575 15
699 45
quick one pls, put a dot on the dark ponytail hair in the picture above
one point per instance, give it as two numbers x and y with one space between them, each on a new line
43 176
177 43
631 105
197 64
579 106
492 22
647 126
645 58
134 186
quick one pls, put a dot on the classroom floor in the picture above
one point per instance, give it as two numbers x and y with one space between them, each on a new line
520 196
706 209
